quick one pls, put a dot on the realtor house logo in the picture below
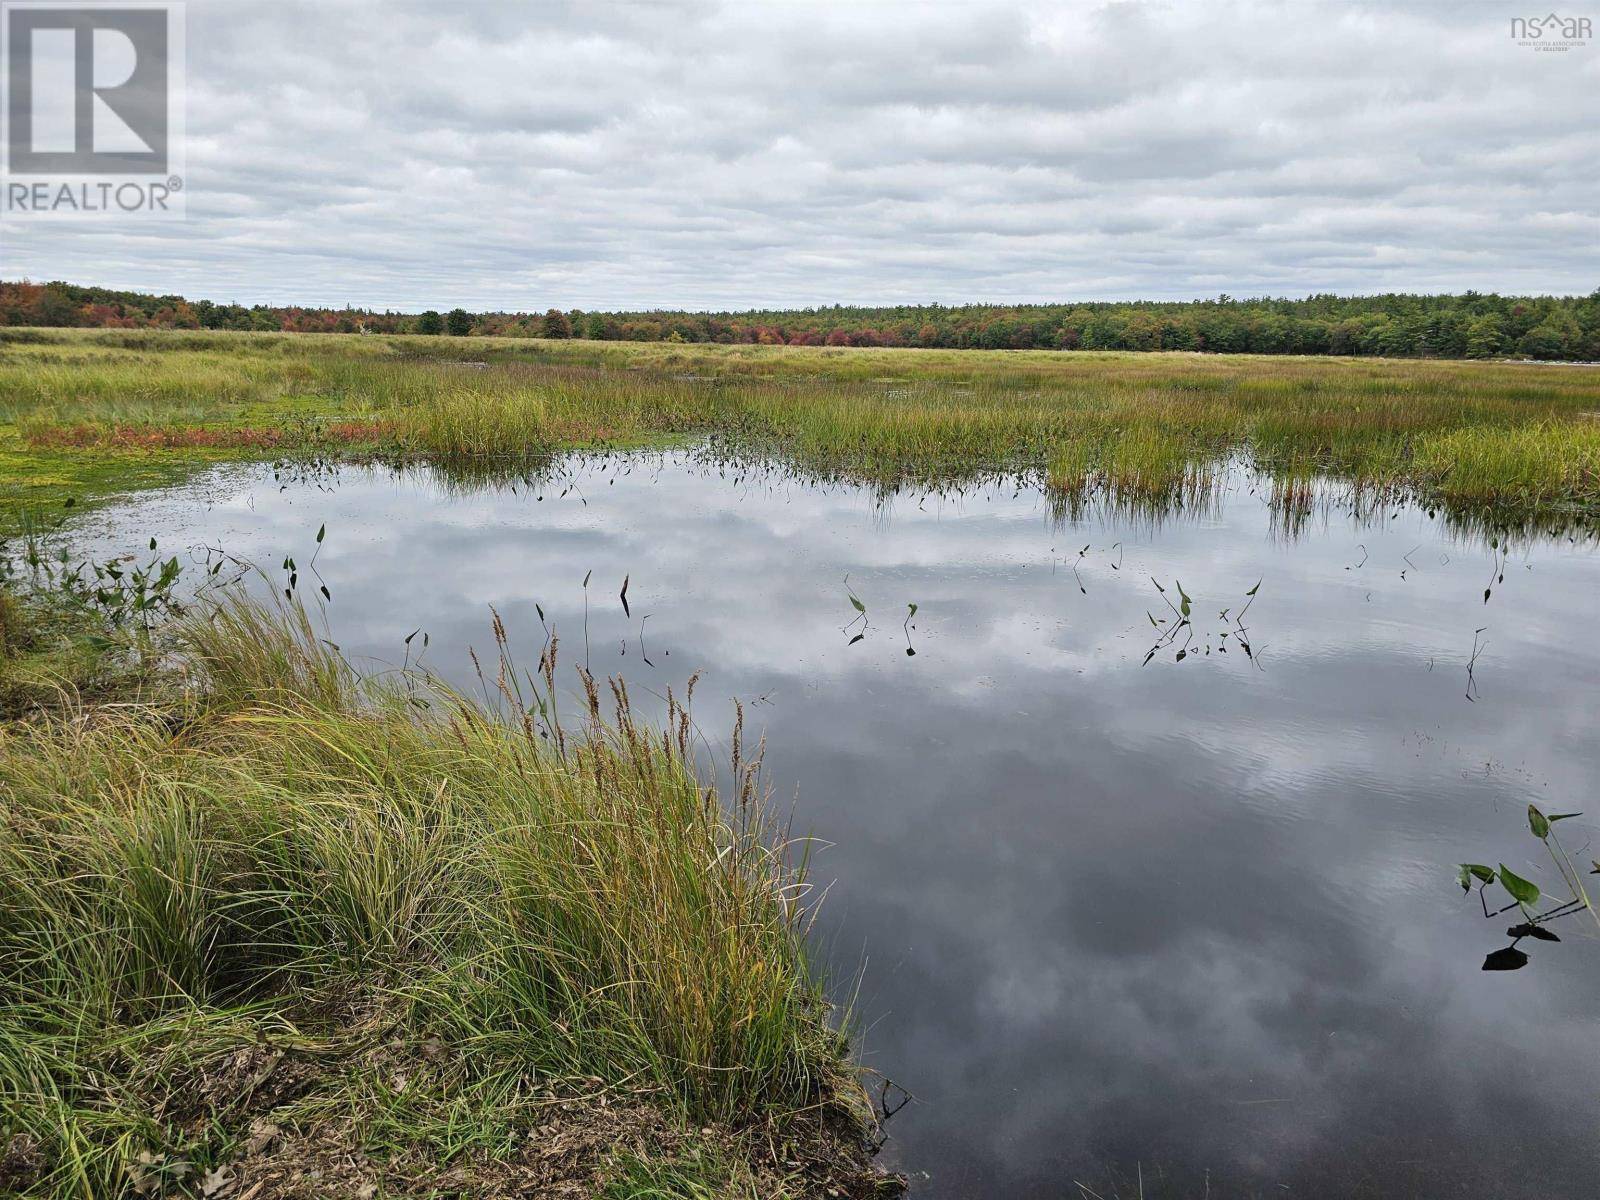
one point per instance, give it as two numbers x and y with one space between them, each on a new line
93 99
1552 32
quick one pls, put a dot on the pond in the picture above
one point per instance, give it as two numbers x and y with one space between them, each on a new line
1120 920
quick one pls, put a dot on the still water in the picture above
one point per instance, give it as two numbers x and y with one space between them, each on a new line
1186 925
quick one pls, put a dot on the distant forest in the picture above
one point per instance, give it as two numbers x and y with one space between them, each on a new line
1469 325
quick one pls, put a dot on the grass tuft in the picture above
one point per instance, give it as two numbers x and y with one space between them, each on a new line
285 854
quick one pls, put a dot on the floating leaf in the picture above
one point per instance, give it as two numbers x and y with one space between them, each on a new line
322 533
1554 817
1255 589
1185 604
1538 822
859 607
1507 959
913 609
1523 891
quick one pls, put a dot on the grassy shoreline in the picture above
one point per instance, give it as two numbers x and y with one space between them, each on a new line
277 929
89 413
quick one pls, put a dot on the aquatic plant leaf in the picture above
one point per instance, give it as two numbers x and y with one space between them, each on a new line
1554 817
1508 958
1529 929
1523 891
1185 602
856 639
913 609
1538 822
859 607
1255 589
322 533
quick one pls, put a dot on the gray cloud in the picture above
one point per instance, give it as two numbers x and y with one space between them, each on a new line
685 155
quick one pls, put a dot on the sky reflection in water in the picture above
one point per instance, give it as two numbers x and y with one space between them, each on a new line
1191 921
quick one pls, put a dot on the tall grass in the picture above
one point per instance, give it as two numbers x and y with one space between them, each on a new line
466 424
290 845
1529 467
1141 423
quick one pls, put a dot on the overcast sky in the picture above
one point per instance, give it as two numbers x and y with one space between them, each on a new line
605 155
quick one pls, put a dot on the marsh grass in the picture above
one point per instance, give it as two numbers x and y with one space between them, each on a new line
1530 467
1155 425
284 853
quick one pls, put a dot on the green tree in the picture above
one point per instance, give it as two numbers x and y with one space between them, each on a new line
430 323
1543 341
459 322
1484 339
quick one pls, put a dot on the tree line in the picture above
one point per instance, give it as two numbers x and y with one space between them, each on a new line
1468 325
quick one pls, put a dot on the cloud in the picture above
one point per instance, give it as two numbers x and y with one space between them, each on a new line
616 155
